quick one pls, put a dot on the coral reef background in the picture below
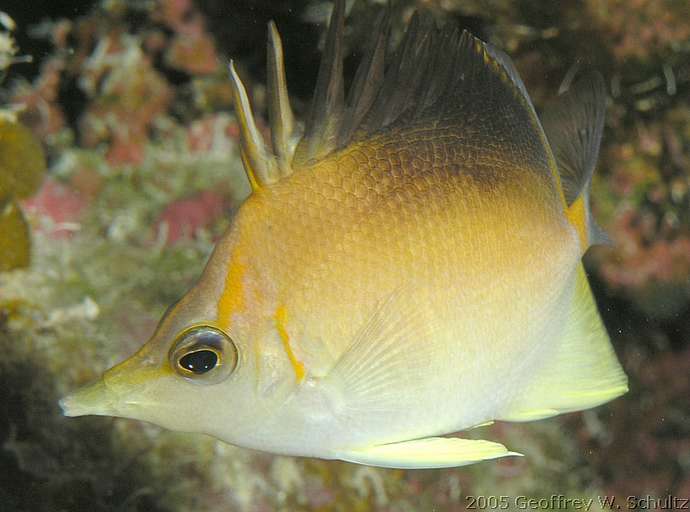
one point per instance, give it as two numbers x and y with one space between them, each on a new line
130 103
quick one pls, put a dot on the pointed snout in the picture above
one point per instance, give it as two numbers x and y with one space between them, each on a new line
121 391
92 399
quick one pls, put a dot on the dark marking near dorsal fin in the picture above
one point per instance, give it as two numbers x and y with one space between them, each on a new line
439 79
460 93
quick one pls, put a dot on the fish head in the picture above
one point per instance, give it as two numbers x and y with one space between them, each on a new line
197 373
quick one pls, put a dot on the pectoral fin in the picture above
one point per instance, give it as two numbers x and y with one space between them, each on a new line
393 352
427 453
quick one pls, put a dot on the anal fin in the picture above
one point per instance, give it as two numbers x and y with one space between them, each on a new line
427 453
583 371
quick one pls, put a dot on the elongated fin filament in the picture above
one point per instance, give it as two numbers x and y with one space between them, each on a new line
259 162
284 134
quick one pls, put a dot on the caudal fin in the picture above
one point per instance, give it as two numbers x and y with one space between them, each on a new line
574 125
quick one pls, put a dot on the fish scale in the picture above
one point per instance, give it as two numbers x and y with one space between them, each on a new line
381 242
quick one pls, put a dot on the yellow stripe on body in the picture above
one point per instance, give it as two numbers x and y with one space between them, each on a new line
281 321
232 299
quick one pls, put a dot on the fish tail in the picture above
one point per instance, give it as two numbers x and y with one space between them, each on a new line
574 125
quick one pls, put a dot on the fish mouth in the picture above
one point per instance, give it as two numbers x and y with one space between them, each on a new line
93 399
119 392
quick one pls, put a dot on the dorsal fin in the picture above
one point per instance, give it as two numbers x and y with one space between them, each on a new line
264 167
391 88
367 78
574 123
283 127
259 162
437 79
446 74
504 60
326 112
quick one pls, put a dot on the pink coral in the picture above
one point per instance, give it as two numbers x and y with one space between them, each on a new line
58 204
184 218
192 49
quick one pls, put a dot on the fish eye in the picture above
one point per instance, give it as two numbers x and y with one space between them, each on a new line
199 361
204 355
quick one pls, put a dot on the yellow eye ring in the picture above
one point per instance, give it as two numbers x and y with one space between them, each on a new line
204 354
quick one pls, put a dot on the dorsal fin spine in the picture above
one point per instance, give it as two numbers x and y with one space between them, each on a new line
283 129
327 106
369 75
259 162
419 86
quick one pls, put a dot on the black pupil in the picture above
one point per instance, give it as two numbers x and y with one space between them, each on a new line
200 361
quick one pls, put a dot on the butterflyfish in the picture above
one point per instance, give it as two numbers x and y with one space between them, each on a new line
407 266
